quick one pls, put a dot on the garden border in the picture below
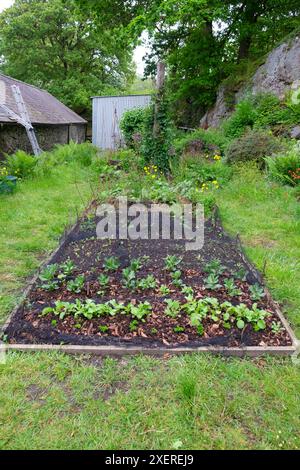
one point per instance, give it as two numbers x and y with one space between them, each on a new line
250 351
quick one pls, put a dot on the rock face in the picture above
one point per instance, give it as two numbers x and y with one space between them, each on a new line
279 74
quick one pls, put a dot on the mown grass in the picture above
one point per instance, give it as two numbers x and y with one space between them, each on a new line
267 216
32 220
53 401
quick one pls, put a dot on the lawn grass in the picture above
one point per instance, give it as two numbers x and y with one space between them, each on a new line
32 220
267 217
53 401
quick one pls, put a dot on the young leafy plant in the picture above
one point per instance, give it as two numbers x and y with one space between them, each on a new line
140 311
76 286
173 308
129 278
257 292
68 268
212 282
172 262
148 282
241 273
276 327
111 264
47 277
214 267
103 280
231 288
164 290
133 326
179 329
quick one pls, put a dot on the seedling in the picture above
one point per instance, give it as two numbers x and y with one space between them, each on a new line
188 291
212 282
135 264
141 311
231 288
214 267
111 264
133 326
148 282
154 331
103 280
47 277
164 290
172 262
257 292
200 330
241 273
129 278
173 308
179 329
176 278
103 328
76 285
68 268
276 327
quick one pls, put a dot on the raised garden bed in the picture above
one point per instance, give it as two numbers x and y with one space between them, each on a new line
118 296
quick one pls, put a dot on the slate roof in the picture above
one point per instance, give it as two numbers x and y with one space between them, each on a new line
42 107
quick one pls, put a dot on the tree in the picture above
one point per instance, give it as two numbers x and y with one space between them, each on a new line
56 46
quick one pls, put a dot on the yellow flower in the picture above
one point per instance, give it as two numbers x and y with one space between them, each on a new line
217 158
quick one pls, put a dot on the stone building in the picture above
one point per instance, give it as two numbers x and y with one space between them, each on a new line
53 122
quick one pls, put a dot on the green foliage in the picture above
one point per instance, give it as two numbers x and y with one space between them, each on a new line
82 154
212 282
132 126
66 52
261 111
172 262
111 264
214 267
285 168
148 282
257 292
173 308
254 146
157 135
201 142
243 117
20 164
231 288
76 285
47 276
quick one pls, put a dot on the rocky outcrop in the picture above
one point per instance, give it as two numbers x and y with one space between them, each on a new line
279 74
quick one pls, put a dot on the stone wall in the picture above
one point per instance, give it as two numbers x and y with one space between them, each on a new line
13 137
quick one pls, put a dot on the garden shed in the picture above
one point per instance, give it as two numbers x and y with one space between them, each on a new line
107 113
53 122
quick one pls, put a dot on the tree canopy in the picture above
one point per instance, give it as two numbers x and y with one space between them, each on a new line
55 45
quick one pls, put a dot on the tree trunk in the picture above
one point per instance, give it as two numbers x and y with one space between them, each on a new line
252 10
160 81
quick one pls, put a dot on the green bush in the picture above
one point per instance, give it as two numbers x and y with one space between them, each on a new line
285 168
65 154
201 142
254 146
132 125
156 146
244 117
261 111
201 171
21 164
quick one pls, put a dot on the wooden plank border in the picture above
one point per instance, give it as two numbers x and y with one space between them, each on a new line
247 351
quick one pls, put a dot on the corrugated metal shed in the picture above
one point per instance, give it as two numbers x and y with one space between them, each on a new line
42 107
107 113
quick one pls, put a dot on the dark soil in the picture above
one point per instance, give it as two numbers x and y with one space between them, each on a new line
88 253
